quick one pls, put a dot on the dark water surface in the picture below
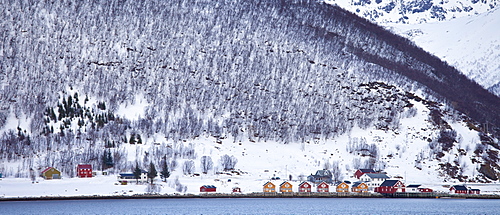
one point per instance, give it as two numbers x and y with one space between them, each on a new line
256 206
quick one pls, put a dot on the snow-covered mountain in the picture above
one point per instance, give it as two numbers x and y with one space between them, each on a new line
461 32
299 85
471 44
414 11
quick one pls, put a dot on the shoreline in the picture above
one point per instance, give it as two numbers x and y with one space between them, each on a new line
256 195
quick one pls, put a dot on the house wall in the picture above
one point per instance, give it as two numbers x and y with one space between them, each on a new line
269 188
50 173
323 188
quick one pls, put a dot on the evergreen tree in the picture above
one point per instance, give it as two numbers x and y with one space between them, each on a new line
165 172
139 139
152 172
137 172
132 139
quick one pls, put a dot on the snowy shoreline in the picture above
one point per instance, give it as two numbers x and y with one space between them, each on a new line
253 195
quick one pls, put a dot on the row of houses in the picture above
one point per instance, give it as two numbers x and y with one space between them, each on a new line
82 171
306 187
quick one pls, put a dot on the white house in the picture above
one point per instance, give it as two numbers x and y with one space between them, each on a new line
413 188
129 177
373 179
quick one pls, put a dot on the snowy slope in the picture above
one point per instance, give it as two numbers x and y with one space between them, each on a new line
461 32
404 153
471 44
414 11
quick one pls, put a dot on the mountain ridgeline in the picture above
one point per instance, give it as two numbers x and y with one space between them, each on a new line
286 71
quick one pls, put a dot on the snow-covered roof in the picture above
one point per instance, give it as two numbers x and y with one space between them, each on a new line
389 183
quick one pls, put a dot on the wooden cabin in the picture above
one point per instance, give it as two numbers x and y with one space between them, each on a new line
304 187
342 187
323 187
51 173
286 187
208 188
359 187
391 186
84 171
269 187
360 172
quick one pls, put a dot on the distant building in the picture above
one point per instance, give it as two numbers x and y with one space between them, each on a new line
51 173
474 191
321 175
391 186
84 171
286 187
130 177
462 189
342 187
373 179
360 172
304 187
459 189
323 187
208 188
269 187
416 188
236 190
359 187
413 188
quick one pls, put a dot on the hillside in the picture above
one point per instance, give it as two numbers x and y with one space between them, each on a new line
120 85
463 33
469 43
415 11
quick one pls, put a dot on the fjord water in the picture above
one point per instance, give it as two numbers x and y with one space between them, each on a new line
256 206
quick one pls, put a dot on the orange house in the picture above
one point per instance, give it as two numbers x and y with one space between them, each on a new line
286 187
323 187
359 187
342 187
269 187
304 187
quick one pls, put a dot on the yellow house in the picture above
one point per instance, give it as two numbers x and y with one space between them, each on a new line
269 187
51 173
359 187
342 187
286 187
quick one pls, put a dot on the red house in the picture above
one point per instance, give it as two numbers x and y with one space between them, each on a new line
236 190
323 187
84 171
391 186
208 188
474 191
360 172
304 187
425 190
459 189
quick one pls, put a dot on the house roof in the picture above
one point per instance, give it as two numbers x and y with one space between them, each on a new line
48 168
269 183
475 189
323 173
323 182
389 183
357 183
367 170
339 182
304 182
413 186
84 166
459 187
285 183
376 175
126 174
208 186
